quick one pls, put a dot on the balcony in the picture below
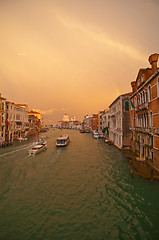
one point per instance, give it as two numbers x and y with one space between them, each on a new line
143 106
146 130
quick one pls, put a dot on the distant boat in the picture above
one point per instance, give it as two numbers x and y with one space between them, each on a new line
95 134
87 131
82 131
37 149
62 141
22 139
39 142
108 141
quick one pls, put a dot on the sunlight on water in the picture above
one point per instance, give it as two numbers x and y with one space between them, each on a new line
82 191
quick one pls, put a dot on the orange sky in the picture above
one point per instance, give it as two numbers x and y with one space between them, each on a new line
74 56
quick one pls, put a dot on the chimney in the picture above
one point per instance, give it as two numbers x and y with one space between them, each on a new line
133 85
153 62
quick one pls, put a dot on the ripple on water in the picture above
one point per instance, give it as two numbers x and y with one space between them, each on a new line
83 192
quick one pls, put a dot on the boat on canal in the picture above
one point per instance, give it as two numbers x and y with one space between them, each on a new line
39 142
96 134
37 149
62 141
82 131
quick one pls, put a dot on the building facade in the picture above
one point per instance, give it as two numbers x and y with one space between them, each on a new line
38 116
145 112
106 122
100 121
119 131
90 122
16 123
2 119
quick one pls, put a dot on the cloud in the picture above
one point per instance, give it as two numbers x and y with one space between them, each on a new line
101 38
46 112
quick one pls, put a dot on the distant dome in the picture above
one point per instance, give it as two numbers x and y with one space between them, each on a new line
65 118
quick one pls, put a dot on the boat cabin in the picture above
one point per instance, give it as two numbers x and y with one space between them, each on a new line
62 141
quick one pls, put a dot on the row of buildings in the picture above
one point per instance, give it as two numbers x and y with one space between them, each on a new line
132 120
16 121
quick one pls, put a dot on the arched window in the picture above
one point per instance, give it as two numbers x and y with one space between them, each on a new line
126 105
149 91
143 97
146 95
151 119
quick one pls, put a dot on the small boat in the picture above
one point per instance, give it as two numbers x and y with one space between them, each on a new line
108 141
39 142
22 139
101 135
82 131
87 130
37 149
62 141
95 134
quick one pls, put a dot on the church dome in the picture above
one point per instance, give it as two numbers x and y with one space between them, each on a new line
65 118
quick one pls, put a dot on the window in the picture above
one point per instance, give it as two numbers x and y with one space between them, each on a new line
152 141
127 106
138 82
149 92
142 78
143 96
151 122
146 98
147 119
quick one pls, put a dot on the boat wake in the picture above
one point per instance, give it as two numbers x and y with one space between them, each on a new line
16 150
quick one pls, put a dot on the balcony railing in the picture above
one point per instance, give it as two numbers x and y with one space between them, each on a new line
147 130
142 106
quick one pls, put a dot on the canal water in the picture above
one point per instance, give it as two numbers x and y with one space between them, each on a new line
80 192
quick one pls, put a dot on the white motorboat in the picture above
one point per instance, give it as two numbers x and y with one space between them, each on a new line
37 149
39 142
95 134
22 139
62 141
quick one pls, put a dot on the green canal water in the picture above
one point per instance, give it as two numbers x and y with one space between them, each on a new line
80 192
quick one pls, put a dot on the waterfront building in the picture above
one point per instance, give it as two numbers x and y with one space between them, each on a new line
145 112
106 122
38 116
119 130
16 123
2 119
34 124
90 122
100 121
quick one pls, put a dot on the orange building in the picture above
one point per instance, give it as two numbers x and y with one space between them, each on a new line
38 117
145 112
91 122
